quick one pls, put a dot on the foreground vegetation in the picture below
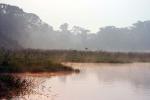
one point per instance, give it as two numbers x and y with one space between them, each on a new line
12 86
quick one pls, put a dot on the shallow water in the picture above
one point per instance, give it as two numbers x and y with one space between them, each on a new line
97 82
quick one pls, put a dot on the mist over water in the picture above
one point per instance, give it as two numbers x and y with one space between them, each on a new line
98 82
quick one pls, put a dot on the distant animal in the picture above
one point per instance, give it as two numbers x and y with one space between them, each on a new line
86 48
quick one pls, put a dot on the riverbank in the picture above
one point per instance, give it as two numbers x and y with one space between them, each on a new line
44 56
11 68
43 61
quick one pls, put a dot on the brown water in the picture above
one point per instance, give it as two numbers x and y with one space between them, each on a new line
97 82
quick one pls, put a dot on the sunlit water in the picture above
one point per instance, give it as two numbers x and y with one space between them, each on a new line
98 82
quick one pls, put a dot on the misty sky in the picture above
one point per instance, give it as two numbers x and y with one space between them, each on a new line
90 14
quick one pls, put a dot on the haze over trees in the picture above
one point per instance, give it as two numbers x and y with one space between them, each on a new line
19 29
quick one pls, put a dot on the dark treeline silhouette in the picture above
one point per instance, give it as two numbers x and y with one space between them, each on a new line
19 29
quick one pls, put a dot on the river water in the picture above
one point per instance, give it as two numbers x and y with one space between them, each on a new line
97 82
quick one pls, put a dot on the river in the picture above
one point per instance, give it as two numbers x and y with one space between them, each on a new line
97 82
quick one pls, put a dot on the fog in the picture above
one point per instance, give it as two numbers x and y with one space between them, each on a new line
110 38
29 31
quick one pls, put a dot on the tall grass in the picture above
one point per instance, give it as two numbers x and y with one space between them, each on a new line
45 57
35 60
29 61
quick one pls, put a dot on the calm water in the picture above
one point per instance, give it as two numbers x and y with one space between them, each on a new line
98 82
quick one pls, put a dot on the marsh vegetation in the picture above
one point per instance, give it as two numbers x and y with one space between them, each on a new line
34 61
37 57
13 86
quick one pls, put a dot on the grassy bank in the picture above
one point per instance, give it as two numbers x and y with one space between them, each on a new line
33 66
32 56
10 68
31 60
28 61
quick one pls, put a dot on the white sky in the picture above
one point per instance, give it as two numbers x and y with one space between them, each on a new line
91 14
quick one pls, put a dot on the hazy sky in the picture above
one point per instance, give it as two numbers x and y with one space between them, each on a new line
90 14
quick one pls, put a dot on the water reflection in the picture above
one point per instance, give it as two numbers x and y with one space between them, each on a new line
105 82
98 82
